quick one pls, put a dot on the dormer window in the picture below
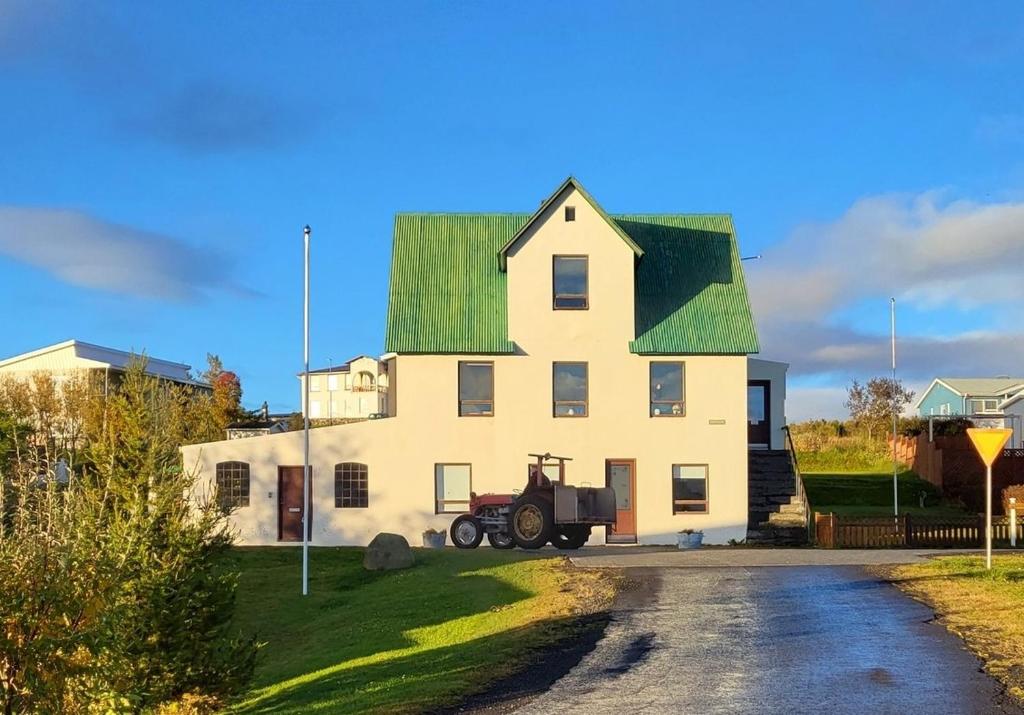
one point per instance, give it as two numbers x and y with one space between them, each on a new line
570 283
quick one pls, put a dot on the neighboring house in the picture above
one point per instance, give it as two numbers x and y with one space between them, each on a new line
76 357
621 341
1013 410
262 423
354 390
967 395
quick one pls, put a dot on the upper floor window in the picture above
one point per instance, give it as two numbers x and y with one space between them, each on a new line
314 383
570 283
689 488
667 389
476 389
351 486
232 484
569 389
332 383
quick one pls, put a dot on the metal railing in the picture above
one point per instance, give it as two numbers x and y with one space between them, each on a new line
801 492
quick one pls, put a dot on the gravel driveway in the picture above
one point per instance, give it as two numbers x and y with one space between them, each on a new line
799 639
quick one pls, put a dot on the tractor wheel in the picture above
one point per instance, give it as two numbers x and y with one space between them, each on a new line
531 521
571 536
500 540
467 532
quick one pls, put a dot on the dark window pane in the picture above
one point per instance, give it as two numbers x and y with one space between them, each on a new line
232 481
476 381
570 382
570 282
666 381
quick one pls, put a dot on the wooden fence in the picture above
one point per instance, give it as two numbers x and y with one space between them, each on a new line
867 532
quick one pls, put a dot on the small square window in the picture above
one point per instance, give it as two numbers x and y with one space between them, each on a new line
570 213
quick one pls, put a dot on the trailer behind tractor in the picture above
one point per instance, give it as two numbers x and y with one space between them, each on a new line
545 511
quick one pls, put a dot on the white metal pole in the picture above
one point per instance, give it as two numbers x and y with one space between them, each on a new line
895 465
305 414
1013 522
988 518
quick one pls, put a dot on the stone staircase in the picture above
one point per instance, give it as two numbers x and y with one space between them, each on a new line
776 514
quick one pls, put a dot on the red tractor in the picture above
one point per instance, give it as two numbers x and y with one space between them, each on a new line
545 511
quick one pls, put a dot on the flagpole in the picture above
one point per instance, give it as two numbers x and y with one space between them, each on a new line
305 414
895 464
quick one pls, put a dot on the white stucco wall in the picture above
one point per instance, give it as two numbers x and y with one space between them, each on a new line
401 451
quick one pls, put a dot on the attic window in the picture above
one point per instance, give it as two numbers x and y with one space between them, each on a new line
570 213
570 283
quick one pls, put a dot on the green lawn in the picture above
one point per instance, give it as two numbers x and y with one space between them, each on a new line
400 641
982 607
870 494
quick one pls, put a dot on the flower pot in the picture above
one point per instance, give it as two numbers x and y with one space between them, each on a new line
689 541
434 539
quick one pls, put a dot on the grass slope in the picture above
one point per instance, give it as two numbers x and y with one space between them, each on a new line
401 641
870 494
984 608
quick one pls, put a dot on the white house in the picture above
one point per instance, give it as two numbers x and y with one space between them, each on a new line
75 357
353 390
621 341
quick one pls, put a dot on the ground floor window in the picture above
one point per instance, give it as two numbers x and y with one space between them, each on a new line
232 484
351 486
452 485
689 488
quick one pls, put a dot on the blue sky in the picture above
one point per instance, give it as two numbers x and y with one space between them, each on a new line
160 159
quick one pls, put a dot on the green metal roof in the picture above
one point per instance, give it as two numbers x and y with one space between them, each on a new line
448 294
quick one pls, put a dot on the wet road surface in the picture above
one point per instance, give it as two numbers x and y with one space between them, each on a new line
773 640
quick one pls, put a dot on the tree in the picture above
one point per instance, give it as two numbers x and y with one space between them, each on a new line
227 393
872 405
114 595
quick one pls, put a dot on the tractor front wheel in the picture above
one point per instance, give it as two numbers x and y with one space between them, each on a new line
531 521
467 532
500 540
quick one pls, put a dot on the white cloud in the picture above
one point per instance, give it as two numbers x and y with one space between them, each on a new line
931 254
86 251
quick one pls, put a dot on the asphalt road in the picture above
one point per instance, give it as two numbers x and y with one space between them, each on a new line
773 640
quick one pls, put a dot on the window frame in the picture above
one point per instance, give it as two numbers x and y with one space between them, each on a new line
461 402
706 501
984 410
343 471
438 508
555 295
651 402
239 491
586 399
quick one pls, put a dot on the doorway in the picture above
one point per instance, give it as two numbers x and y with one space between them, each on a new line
289 504
759 421
620 475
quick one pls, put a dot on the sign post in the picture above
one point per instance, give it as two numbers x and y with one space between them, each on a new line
989 443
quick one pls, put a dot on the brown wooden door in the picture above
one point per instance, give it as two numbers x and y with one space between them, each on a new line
620 475
759 420
289 504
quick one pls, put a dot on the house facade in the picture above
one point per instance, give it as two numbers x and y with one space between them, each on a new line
353 390
949 396
620 341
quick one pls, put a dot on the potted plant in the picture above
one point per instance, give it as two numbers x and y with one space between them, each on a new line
690 539
434 538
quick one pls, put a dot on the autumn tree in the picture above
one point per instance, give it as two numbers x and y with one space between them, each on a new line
227 393
872 405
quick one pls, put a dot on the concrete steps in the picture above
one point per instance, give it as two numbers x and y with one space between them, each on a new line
775 516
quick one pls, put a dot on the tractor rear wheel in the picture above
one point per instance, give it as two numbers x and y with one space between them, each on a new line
467 532
570 536
531 521
500 540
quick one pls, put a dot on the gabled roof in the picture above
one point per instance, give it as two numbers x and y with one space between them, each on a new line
447 295
570 182
1012 400
343 367
976 386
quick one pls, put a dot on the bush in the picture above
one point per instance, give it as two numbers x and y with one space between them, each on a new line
112 599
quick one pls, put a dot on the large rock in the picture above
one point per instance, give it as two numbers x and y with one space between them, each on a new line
387 552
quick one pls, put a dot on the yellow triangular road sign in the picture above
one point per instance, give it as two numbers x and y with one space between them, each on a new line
989 442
